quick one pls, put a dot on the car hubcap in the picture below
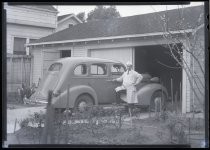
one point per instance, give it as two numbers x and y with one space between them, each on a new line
82 106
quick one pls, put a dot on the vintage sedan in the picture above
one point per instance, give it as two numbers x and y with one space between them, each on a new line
88 80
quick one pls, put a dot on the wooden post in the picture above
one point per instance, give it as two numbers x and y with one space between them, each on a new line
67 113
15 124
48 122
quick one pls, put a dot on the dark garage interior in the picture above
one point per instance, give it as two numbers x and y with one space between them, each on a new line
157 61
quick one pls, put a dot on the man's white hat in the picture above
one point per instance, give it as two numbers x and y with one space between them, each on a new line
128 63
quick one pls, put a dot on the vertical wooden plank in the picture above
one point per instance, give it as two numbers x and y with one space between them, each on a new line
11 73
21 72
67 114
31 70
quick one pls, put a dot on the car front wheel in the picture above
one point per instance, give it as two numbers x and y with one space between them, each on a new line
83 102
157 101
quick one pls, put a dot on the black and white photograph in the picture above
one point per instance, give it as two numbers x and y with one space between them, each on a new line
106 74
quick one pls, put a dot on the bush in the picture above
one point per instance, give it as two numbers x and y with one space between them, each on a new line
24 123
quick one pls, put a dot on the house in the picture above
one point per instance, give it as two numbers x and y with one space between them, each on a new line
26 23
66 21
138 39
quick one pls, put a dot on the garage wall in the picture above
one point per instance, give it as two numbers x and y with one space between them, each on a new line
120 54
48 58
79 51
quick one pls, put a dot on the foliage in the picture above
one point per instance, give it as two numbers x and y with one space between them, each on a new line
189 44
26 91
24 123
176 125
102 13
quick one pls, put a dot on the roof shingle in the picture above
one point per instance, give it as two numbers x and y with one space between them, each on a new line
139 24
46 7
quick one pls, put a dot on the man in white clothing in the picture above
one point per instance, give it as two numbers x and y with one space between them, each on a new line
129 79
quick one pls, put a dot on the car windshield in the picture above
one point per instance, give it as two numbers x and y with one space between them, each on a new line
55 67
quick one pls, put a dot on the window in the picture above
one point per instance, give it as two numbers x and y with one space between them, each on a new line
65 53
71 25
117 69
55 67
19 46
98 69
80 70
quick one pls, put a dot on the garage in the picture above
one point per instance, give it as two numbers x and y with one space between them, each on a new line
48 58
120 54
157 61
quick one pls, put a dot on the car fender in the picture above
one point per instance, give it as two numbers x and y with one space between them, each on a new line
145 93
61 100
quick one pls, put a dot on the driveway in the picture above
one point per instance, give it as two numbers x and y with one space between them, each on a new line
19 114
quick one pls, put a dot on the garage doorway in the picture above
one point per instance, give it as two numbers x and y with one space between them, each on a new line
157 61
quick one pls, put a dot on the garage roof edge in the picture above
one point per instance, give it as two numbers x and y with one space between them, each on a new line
111 37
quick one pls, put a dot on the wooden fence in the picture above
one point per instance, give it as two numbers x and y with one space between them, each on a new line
18 71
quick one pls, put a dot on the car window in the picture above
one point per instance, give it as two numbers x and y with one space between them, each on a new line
98 69
80 70
117 69
55 67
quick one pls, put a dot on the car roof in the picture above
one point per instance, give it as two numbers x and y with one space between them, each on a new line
75 60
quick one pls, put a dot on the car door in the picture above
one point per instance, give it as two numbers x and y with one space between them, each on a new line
98 77
116 70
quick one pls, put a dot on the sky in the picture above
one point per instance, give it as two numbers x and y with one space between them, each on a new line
124 10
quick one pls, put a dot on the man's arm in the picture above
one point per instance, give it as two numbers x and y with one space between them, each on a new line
139 78
120 79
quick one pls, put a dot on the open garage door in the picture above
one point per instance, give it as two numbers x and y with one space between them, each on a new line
120 54
157 61
48 58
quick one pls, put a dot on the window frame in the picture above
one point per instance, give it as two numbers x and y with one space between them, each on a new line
26 38
81 74
111 65
99 63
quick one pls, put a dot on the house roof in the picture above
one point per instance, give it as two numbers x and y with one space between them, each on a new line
63 16
132 25
47 7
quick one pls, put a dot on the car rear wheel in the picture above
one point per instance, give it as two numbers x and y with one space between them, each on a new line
158 101
83 102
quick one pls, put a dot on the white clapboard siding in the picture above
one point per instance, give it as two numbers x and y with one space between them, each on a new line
65 24
120 54
31 32
29 16
79 52
37 65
